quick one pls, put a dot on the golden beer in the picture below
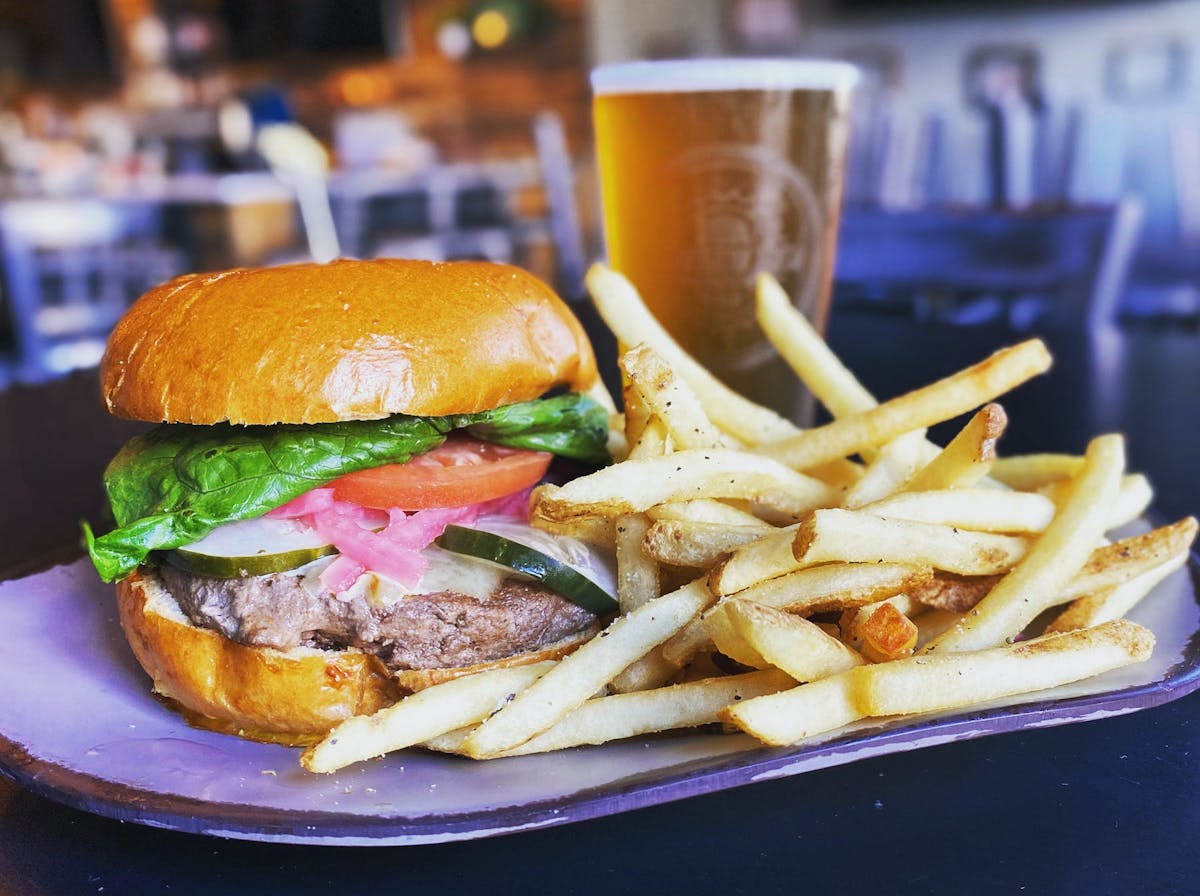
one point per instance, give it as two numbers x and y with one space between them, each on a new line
712 171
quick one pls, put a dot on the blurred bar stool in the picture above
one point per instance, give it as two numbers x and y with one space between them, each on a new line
71 268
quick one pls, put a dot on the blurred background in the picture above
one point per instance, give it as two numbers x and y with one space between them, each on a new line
1024 161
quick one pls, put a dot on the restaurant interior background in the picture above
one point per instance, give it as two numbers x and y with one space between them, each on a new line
1017 161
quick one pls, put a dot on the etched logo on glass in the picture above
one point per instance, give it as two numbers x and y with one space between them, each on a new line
748 210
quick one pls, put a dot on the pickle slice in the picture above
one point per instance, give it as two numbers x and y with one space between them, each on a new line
255 547
554 574
220 566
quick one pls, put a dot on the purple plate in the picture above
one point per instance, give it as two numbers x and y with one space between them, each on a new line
91 736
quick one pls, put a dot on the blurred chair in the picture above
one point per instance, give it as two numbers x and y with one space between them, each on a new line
562 214
1064 266
443 212
71 267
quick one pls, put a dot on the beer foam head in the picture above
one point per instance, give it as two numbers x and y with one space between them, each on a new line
700 75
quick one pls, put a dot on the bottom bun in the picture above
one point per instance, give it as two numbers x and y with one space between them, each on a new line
291 697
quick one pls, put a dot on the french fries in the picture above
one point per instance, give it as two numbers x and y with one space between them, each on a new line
1033 585
627 316
686 705
637 485
923 683
936 562
829 535
581 674
968 457
943 400
763 637
698 545
420 716
668 397
887 634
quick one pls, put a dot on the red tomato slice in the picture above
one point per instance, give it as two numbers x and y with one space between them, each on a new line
460 471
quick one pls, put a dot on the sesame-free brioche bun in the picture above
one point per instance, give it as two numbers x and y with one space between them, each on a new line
292 696
347 340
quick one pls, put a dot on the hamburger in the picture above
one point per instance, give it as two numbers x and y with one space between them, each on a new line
331 508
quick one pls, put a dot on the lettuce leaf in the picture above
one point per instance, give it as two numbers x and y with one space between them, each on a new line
176 483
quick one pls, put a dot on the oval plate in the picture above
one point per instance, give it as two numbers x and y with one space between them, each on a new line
92 736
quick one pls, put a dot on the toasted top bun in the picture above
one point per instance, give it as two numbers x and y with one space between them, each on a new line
348 340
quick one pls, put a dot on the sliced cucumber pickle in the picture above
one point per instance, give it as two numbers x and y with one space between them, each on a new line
255 547
222 567
554 574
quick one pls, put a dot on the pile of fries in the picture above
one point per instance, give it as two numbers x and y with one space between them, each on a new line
789 582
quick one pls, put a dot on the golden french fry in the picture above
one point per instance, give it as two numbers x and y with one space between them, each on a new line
619 716
762 559
651 671
581 674
668 397
637 485
420 716
697 545
1115 601
850 625
843 474
819 369
1058 554
1029 472
949 681
805 711
1132 500
1107 567
817 589
705 510
725 637
654 441
860 537
627 316
968 457
801 346
932 622
893 465
887 634
1116 563
594 529
775 638
637 574
977 509
836 586
940 683
637 414
943 400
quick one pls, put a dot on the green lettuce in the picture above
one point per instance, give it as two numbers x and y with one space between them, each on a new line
176 483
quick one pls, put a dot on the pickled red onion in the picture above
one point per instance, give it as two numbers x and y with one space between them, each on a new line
393 551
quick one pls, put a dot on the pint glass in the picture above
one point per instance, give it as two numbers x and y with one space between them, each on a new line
711 171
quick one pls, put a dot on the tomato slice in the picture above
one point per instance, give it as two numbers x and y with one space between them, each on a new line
460 471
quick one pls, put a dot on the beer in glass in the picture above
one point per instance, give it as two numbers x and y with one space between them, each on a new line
711 171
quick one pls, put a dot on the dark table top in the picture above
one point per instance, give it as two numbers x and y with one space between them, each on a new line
1109 806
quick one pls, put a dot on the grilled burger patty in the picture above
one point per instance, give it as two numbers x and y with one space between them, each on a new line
425 631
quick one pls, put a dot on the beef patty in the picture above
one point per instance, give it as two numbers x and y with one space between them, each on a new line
426 631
